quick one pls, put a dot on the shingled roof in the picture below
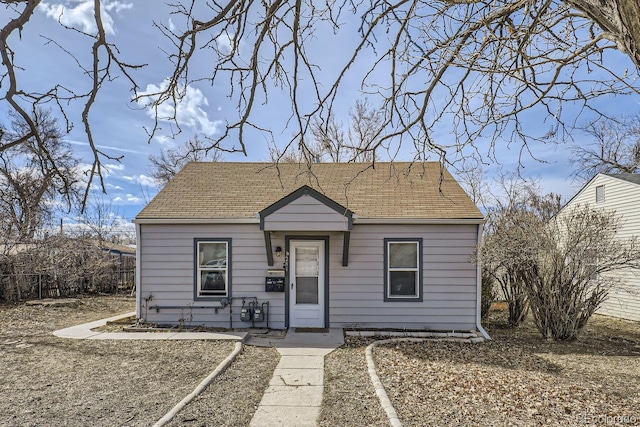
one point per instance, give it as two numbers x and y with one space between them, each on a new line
217 190
630 177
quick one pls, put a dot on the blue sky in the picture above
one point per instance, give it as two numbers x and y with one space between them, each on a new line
118 124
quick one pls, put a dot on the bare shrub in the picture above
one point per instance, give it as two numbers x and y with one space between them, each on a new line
488 295
567 280
556 263
56 266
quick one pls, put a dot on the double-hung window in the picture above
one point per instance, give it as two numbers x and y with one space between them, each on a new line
403 269
213 268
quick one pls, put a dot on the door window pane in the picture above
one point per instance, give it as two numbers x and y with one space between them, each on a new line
307 262
306 290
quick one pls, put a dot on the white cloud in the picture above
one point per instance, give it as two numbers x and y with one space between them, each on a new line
127 199
110 168
118 6
106 147
141 179
164 140
81 15
147 181
225 43
190 110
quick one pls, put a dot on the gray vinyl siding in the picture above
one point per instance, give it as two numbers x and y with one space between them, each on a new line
449 279
167 273
356 296
623 197
305 214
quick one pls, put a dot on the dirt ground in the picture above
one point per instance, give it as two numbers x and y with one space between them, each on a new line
517 379
54 381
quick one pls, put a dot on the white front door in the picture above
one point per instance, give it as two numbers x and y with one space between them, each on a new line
306 287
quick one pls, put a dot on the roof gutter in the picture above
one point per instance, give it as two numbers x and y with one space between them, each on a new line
196 221
484 333
356 220
418 220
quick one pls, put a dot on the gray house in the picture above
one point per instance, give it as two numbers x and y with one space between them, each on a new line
330 245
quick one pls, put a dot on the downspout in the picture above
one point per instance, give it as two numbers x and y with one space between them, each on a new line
484 333
138 272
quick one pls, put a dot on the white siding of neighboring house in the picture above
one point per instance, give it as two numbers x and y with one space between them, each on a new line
623 197
356 291
305 214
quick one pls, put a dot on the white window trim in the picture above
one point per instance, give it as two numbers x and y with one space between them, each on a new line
416 270
198 270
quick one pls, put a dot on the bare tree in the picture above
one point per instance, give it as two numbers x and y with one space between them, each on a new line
474 69
170 161
34 176
486 65
358 143
473 178
616 148
292 155
100 220
105 64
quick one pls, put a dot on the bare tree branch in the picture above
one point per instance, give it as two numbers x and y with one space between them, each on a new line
168 163
455 78
616 148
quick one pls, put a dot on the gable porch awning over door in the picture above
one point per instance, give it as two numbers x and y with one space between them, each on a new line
306 210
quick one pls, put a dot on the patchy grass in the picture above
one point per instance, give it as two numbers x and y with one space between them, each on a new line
55 381
518 378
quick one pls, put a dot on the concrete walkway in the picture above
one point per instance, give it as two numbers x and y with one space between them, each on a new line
295 392
84 331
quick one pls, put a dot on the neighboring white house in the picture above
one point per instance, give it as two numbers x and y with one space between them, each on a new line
619 193
356 245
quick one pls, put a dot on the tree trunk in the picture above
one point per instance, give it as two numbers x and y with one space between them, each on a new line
620 19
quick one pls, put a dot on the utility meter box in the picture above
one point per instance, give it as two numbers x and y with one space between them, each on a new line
245 314
274 281
258 314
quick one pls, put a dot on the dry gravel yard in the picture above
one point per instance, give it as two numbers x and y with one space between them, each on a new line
232 399
516 379
50 381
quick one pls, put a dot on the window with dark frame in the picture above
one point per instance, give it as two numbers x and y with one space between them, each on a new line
600 194
403 269
212 267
